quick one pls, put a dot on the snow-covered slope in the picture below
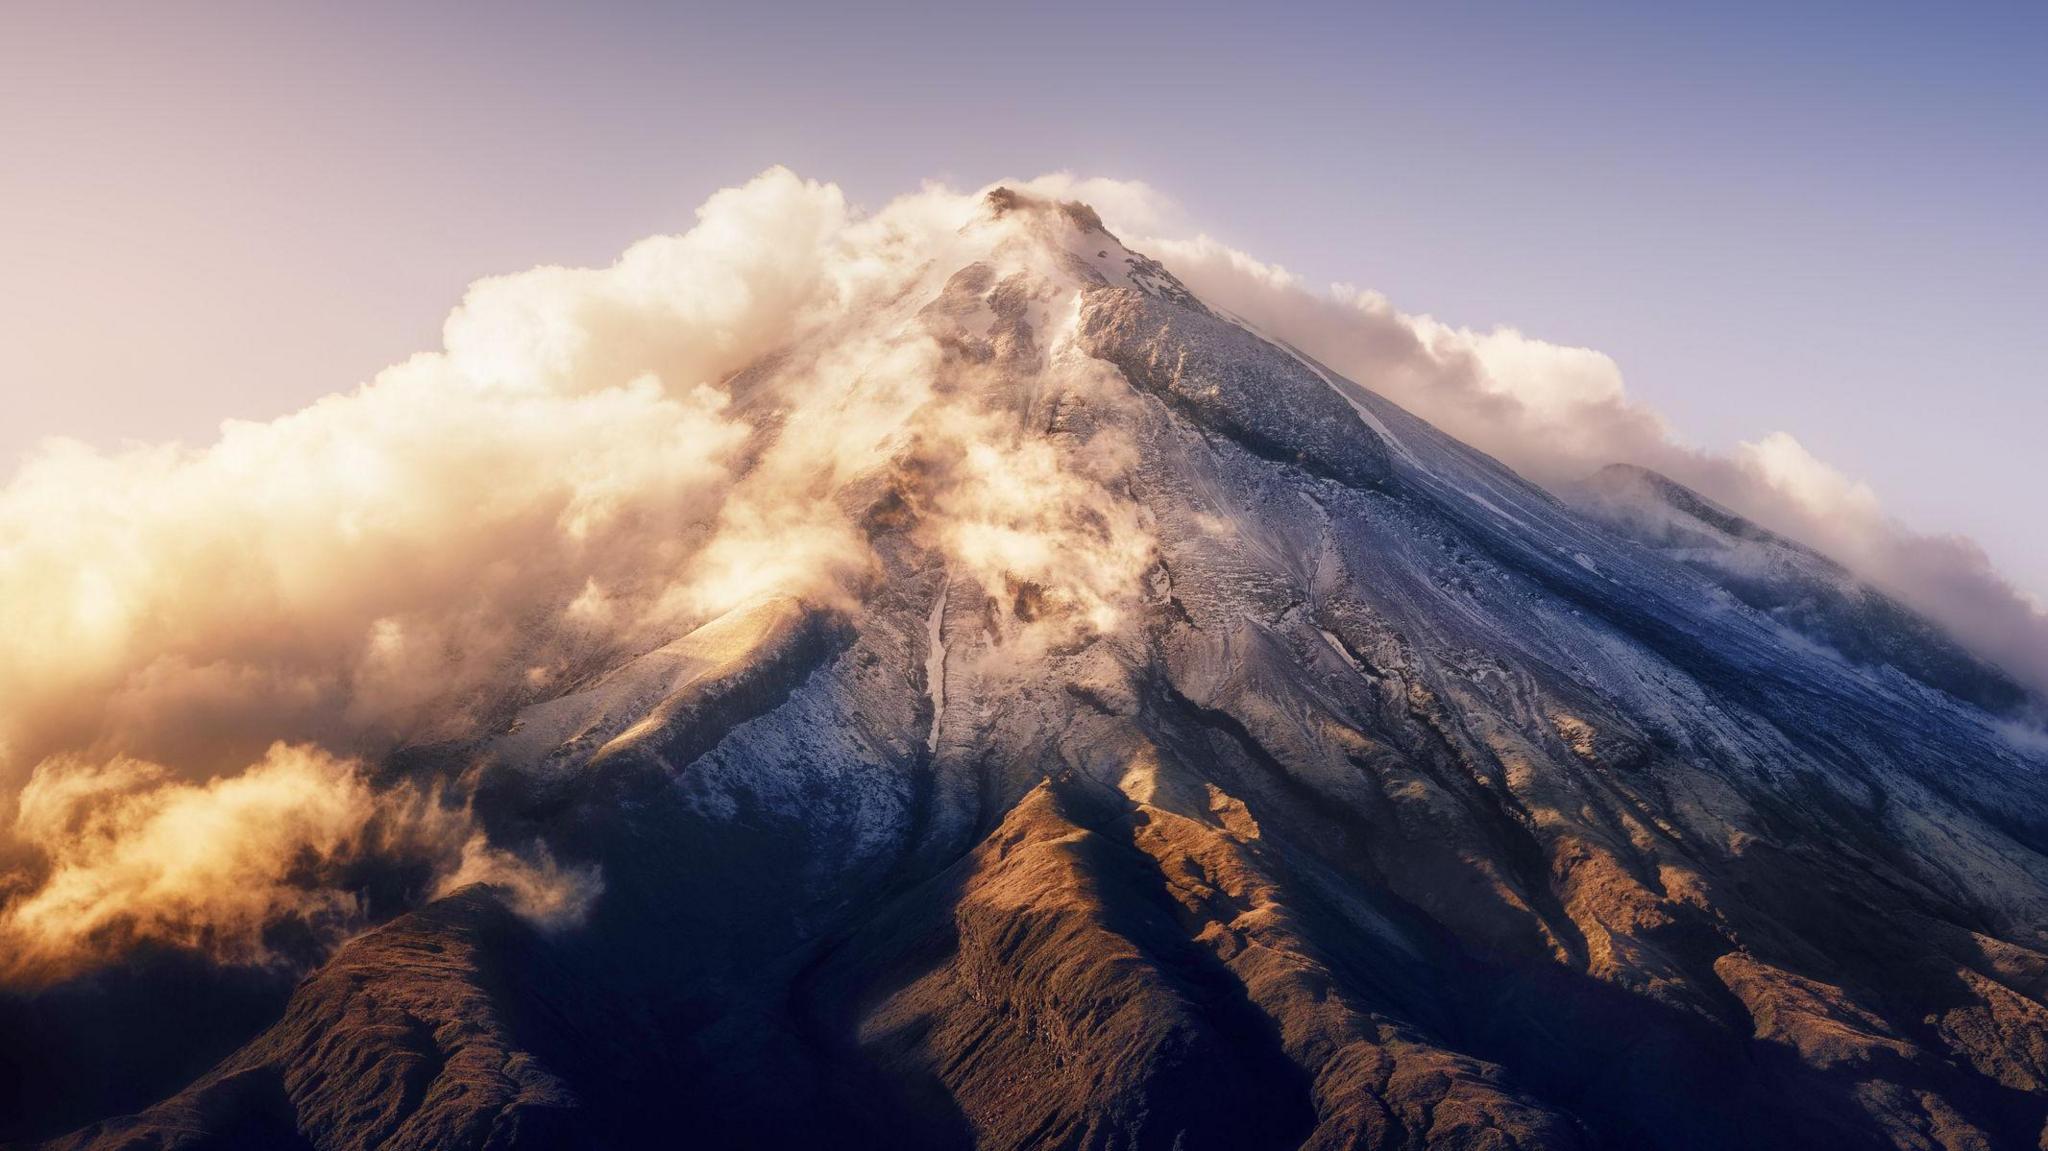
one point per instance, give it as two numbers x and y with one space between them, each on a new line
1808 592
1212 755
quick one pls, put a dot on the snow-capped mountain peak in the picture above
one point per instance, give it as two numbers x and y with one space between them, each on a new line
1150 738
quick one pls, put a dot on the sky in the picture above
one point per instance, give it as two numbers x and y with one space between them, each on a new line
1830 220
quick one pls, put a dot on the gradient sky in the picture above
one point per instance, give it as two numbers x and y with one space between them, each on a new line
1831 221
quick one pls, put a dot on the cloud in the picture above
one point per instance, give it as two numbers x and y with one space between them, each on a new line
538 889
126 853
564 476
404 563
1022 514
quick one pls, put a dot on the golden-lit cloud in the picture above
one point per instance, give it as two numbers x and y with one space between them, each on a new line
127 853
1018 511
584 472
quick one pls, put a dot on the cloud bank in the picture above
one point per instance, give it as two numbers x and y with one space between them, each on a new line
203 645
206 648
133 854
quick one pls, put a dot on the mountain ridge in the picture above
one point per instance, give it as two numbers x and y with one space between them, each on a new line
1302 777
1814 594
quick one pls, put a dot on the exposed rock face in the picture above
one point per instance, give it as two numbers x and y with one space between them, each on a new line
1393 804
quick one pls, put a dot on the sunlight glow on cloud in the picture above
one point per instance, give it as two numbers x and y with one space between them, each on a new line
131 853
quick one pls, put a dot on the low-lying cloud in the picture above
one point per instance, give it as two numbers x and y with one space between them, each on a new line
129 853
205 646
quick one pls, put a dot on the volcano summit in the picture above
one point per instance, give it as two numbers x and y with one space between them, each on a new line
967 690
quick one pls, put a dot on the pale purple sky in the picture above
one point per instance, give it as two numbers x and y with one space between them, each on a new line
1833 223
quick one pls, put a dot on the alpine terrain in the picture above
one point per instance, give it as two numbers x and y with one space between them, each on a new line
1202 753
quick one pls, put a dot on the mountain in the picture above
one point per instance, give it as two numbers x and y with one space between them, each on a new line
1210 755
